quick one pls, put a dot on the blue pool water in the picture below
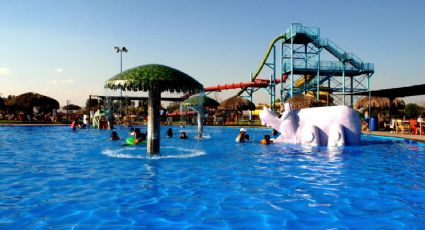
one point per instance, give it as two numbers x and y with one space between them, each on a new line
53 178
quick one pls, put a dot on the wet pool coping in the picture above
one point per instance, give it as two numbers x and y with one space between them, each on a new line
419 138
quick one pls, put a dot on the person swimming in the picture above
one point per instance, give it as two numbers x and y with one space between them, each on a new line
183 135
139 136
266 140
114 136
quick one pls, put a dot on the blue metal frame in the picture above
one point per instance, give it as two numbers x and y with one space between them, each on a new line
301 57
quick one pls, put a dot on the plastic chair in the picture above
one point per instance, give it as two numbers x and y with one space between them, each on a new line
414 126
404 128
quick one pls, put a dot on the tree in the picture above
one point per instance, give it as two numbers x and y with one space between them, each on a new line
2 105
92 104
411 110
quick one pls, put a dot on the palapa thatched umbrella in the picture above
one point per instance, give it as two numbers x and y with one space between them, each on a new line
379 103
28 101
71 107
236 103
199 102
300 101
155 79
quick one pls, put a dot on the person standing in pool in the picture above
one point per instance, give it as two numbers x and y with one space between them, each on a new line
114 136
138 136
242 136
170 132
183 135
73 125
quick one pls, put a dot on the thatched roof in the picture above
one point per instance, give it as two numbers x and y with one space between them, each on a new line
71 107
236 103
154 76
28 101
301 101
379 103
197 100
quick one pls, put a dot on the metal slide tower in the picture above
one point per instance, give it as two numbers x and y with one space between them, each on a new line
303 70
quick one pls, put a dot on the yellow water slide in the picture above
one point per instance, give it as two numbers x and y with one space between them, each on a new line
303 80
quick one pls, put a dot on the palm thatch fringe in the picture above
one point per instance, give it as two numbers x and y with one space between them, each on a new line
379 103
198 100
28 101
301 101
71 107
236 103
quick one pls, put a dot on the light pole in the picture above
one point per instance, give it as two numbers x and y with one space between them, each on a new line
120 50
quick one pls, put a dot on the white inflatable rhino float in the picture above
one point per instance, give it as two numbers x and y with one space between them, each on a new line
332 126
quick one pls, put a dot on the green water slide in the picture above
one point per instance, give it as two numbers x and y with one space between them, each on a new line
266 55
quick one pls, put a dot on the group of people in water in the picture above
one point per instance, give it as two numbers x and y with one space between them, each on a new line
183 134
244 137
140 137
135 134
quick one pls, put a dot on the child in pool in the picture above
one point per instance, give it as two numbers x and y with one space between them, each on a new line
183 135
114 136
266 140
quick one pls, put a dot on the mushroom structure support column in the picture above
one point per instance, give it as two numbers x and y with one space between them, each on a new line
153 137
200 121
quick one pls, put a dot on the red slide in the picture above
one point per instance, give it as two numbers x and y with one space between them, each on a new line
259 83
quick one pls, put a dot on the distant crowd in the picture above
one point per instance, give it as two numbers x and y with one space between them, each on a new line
46 118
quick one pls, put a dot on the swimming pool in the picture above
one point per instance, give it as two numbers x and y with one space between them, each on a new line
52 177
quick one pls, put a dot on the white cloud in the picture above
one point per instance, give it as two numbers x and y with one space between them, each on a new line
59 70
4 71
56 82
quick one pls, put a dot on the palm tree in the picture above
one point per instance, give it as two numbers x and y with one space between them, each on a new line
155 79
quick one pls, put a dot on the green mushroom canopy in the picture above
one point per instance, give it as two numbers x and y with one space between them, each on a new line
154 76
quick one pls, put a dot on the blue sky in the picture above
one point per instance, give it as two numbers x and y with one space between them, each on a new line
64 49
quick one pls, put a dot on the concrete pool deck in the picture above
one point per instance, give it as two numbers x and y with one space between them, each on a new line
420 138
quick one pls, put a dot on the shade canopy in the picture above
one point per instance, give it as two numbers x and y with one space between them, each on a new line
236 103
379 103
200 100
71 107
154 76
28 101
301 101
392 93
155 79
